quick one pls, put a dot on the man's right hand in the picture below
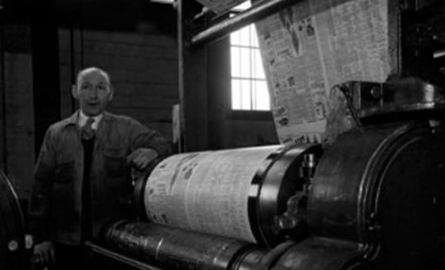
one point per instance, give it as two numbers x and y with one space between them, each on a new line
44 253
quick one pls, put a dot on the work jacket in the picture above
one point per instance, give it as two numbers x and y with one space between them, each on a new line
56 201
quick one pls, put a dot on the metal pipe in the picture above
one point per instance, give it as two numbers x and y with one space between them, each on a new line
119 257
258 11
174 248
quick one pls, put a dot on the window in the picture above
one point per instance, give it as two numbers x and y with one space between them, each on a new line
248 81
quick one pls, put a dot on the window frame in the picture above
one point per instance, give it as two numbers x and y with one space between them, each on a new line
252 113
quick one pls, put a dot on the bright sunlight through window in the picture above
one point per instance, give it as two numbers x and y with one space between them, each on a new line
249 86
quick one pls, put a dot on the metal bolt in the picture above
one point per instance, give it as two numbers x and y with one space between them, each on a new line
13 245
375 92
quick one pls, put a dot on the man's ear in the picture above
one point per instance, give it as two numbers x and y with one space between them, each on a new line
110 97
74 91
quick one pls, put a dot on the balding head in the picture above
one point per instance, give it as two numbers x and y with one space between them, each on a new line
89 70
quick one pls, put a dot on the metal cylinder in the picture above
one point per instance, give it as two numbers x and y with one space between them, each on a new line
383 187
12 231
173 248
232 193
319 253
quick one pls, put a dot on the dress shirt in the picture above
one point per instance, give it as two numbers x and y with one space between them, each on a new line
83 120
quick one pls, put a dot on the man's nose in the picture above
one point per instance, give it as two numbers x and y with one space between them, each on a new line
93 93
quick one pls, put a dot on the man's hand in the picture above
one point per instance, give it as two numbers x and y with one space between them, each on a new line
141 158
44 253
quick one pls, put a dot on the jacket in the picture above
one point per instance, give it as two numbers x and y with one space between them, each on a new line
56 204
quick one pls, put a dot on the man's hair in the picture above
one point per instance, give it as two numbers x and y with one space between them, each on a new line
90 69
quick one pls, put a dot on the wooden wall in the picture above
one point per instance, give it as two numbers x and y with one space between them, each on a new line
142 63
17 106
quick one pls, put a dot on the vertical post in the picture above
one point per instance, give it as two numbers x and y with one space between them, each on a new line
192 80
3 142
45 66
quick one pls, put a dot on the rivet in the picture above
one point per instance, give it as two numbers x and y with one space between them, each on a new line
375 92
13 245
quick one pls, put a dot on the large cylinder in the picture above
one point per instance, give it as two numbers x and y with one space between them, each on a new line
12 231
173 248
233 193
384 187
320 253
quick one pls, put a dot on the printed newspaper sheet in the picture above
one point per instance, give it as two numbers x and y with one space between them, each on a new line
314 45
207 191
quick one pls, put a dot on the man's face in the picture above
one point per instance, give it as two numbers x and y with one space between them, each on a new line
93 91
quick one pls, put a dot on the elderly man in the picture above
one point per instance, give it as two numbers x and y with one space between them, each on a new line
82 175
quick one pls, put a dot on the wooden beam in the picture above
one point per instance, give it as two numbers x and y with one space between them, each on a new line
192 83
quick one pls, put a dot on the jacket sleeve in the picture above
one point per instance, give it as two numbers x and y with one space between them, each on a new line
44 173
144 137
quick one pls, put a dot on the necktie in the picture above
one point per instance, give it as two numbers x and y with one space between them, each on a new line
87 131
88 134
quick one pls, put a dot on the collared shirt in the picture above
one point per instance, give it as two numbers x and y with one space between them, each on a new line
83 120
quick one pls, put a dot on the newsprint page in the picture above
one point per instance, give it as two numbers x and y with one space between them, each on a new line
310 47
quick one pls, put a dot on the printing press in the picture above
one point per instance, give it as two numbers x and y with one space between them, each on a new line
374 198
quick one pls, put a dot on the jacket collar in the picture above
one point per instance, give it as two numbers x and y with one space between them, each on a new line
74 118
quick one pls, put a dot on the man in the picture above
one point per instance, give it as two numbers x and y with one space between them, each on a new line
82 175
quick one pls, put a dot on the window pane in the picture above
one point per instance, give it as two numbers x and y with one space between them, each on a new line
235 61
236 95
235 38
241 94
262 101
246 69
246 96
245 36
